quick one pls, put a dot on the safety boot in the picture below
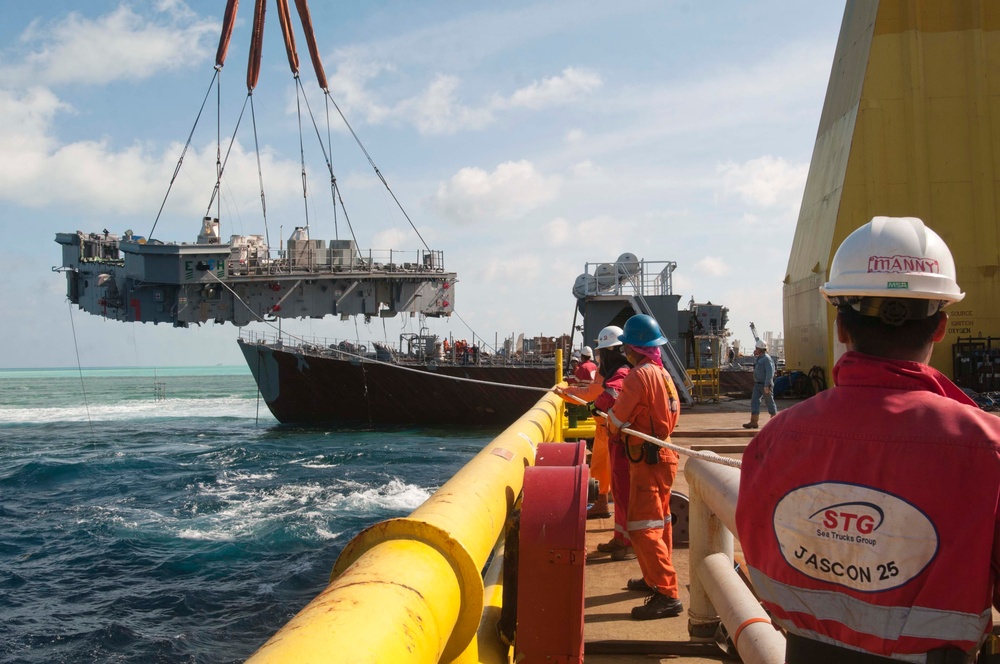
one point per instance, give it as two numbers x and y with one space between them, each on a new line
626 553
658 606
754 422
599 510
640 585
611 546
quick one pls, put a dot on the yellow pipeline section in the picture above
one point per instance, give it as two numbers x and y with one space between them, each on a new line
410 589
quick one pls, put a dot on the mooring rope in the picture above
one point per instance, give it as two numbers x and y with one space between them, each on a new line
706 456
79 368
711 457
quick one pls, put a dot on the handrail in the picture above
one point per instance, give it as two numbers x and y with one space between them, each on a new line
409 589
716 588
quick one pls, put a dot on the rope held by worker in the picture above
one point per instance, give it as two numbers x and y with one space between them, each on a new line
711 457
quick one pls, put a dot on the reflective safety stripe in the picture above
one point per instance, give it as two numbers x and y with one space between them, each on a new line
645 525
618 424
612 391
620 529
885 622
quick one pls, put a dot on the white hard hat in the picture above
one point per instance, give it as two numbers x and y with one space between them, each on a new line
586 351
608 337
896 258
760 345
575 357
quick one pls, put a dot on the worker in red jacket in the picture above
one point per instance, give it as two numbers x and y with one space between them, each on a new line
586 371
648 404
868 514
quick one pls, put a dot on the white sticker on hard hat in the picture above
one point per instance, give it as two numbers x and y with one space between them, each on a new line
854 536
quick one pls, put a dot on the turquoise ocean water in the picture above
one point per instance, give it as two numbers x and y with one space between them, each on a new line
165 516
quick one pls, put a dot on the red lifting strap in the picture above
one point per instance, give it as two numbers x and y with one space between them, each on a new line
227 31
256 46
286 30
307 28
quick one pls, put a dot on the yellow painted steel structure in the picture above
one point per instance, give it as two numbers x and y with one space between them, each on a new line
910 127
706 380
410 589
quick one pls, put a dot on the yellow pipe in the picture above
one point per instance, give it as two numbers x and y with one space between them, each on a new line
487 648
557 435
414 611
409 589
581 431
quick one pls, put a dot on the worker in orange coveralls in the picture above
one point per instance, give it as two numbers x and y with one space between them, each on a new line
648 404
600 458
613 368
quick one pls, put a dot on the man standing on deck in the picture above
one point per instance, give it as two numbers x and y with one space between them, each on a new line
648 403
586 372
763 385
868 514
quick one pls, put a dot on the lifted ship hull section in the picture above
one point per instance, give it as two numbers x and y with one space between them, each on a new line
182 284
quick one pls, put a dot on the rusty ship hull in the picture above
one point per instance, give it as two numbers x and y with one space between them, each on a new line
301 387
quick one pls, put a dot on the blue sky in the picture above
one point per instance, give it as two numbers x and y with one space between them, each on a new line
523 139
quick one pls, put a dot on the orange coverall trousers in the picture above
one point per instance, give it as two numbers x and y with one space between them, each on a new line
649 521
600 456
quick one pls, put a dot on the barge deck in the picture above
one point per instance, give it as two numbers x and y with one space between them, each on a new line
610 635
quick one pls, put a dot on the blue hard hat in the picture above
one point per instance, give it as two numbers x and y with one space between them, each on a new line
642 330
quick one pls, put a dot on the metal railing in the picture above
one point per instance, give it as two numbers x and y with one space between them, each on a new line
386 352
641 278
718 594
311 260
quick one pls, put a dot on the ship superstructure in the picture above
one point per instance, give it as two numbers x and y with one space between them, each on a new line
133 279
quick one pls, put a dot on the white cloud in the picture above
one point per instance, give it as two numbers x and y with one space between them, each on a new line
570 86
439 108
388 239
25 118
574 136
93 175
586 170
437 111
557 232
766 181
121 45
712 266
348 85
516 272
473 196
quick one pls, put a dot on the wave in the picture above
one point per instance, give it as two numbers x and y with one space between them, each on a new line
242 506
122 411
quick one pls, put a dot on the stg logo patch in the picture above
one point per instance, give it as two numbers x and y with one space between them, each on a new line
854 536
